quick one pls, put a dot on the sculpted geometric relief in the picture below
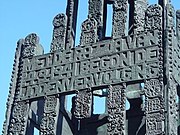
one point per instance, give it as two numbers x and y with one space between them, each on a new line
153 89
154 108
139 15
172 71
155 124
19 118
83 104
49 120
120 8
50 104
89 32
59 32
116 110
31 46
153 17
96 11
172 107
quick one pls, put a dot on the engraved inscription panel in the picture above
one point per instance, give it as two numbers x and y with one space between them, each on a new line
108 62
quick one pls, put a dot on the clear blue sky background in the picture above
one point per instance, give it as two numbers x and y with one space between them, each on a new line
18 18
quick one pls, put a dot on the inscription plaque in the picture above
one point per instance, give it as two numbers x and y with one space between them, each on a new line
126 59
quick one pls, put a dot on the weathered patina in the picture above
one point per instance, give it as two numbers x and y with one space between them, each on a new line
139 63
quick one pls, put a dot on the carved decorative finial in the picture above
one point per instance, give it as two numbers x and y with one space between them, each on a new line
153 17
59 32
96 11
119 18
59 20
89 32
31 46
140 7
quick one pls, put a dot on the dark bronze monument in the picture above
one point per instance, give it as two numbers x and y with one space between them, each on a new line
139 63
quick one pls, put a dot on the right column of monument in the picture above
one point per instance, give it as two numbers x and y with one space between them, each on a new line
154 88
172 65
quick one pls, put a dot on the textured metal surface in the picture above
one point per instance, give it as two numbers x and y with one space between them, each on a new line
139 63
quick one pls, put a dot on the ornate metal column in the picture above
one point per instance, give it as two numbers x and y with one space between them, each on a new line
140 7
89 32
155 118
59 32
116 109
83 104
96 11
171 50
49 120
154 88
120 8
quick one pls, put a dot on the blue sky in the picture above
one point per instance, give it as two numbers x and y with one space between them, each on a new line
18 18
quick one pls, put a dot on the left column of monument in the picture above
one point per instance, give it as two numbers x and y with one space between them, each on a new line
17 110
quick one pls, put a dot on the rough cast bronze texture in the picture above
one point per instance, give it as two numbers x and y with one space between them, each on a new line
139 64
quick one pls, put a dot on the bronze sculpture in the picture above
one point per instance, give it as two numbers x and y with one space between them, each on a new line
138 63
